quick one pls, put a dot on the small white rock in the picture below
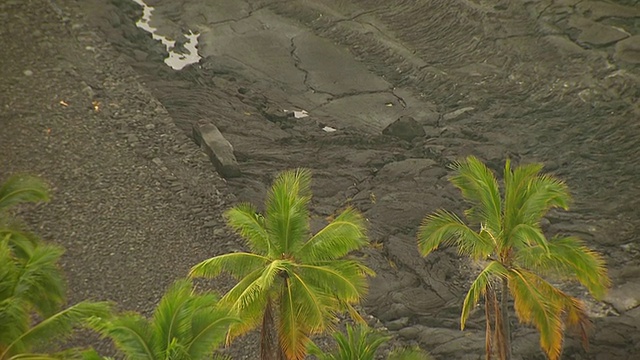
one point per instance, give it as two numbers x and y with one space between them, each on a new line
27 73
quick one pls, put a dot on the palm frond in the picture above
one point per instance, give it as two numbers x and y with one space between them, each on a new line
22 189
209 328
246 221
361 342
533 305
529 195
40 280
516 190
287 213
14 320
237 265
409 354
292 331
344 234
131 333
568 256
545 193
250 312
57 326
479 286
480 187
446 228
345 279
313 305
171 319
525 235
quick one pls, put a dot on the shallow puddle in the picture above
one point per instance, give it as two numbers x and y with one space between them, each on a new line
175 60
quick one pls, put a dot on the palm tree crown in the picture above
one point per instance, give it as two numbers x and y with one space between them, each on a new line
508 239
185 326
32 287
290 279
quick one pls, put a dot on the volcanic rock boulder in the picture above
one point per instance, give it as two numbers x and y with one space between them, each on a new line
219 150
405 128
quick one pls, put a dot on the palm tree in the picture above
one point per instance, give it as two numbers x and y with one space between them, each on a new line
517 257
184 326
361 342
16 190
31 293
291 282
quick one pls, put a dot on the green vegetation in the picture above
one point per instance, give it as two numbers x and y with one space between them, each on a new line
290 283
362 342
517 257
185 326
293 284
32 289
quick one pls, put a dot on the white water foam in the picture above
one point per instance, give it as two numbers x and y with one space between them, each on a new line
176 61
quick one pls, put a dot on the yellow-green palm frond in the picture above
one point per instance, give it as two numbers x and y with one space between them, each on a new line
480 187
529 195
313 305
534 304
131 333
568 256
247 300
446 228
525 235
22 189
293 333
414 353
287 213
55 327
479 286
39 280
346 280
344 234
237 265
245 220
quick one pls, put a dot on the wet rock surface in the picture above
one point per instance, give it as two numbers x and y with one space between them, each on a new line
533 81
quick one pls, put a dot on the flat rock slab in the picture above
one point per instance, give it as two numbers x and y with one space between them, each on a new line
595 33
624 297
628 50
219 150
333 69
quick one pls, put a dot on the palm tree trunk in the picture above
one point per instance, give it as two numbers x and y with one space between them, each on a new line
506 326
267 340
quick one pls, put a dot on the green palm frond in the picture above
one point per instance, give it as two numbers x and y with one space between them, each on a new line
479 286
480 187
209 327
534 305
40 280
22 189
525 235
346 280
313 306
446 228
246 221
237 265
56 327
568 256
14 320
409 354
292 331
343 235
171 319
287 213
529 195
131 333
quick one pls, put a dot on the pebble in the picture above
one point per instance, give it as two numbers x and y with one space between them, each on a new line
27 73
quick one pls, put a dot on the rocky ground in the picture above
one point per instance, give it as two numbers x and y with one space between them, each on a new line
88 104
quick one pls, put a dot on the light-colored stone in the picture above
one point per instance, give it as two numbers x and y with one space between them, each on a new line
628 50
595 33
624 297
219 149
600 9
